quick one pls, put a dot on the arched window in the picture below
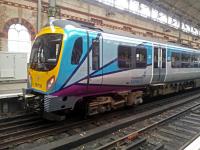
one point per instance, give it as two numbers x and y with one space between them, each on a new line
19 39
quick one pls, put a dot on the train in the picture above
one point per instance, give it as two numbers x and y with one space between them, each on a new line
76 65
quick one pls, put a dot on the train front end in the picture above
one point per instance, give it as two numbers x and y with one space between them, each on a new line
44 67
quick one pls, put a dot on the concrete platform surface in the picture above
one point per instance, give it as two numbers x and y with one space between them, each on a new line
11 89
195 145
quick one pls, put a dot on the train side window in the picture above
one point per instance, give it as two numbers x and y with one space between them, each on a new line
194 61
124 57
77 51
95 55
176 60
185 60
141 57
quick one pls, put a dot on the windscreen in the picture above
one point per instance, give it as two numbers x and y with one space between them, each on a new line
45 52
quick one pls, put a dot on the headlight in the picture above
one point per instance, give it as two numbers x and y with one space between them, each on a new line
50 82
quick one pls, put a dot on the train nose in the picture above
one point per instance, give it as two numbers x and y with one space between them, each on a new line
41 81
37 82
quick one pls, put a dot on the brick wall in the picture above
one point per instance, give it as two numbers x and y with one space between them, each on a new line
25 12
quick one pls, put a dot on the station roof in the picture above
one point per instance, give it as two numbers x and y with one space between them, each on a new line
188 10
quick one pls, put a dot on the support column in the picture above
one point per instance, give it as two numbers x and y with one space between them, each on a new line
52 10
39 15
180 31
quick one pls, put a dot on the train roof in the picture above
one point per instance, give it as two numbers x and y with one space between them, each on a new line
89 26
78 24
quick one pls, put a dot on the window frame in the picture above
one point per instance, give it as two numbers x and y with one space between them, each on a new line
118 52
39 48
193 60
97 56
145 58
74 60
179 62
133 64
21 39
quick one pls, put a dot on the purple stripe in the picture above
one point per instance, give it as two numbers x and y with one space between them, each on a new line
84 90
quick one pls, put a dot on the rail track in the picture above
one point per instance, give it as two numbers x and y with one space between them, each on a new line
170 130
22 129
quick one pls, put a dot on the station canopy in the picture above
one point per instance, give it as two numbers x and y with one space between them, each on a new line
188 10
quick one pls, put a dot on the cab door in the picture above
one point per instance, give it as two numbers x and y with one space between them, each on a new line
95 59
159 65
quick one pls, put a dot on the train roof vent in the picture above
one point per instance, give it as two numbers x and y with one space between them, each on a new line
171 41
186 45
84 24
62 23
177 43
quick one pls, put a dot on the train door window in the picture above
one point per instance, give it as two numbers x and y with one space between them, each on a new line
95 54
199 60
163 58
156 57
141 57
124 57
77 51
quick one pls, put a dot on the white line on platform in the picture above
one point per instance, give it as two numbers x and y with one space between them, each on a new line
195 145
9 95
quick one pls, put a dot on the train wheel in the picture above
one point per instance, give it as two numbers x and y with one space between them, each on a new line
81 108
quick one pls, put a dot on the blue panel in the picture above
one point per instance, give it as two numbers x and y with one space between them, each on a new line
66 68
111 67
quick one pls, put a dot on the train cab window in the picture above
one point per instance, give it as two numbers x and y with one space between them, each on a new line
124 57
95 55
45 52
77 51
141 59
176 60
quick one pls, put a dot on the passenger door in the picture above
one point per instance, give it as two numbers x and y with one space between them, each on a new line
159 65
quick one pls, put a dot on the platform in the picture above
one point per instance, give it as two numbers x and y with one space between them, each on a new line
9 104
11 89
195 145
